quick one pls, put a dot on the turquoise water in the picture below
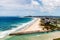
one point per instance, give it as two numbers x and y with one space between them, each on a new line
7 23
35 36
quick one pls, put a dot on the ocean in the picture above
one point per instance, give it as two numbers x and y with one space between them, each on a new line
7 23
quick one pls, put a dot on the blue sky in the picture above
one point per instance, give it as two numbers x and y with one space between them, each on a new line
29 7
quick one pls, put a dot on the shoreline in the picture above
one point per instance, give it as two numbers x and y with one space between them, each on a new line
6 33
32 28
45 35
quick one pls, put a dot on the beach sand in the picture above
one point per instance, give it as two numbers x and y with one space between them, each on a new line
34 27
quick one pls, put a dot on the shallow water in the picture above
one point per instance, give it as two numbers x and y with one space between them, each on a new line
37 36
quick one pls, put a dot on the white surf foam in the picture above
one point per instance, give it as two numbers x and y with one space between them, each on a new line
6 33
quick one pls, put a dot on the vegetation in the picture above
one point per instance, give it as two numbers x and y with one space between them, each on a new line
57 39
53 25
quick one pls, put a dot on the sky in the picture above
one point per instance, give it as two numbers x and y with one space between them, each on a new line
29 7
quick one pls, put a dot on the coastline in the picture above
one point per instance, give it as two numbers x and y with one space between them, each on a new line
36 27
6 33
33 27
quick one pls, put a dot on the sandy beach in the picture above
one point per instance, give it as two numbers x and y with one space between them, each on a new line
34 27
31 28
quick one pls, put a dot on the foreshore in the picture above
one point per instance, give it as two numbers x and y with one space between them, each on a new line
6 33
32 28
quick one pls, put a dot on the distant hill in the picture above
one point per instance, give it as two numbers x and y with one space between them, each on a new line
45 16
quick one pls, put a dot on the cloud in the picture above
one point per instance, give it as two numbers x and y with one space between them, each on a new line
47 5
12 6
9 7
42 5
